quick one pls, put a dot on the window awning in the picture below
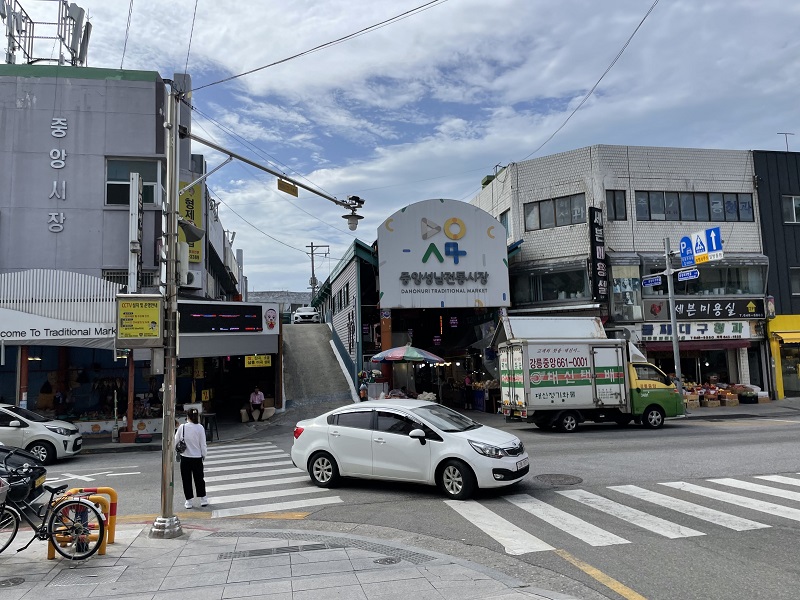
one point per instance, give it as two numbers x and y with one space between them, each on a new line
697 345
788 337
623 258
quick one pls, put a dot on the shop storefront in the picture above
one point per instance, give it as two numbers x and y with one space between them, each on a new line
784 339
443 275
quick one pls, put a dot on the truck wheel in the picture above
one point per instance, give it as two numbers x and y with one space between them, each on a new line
653 417
567 422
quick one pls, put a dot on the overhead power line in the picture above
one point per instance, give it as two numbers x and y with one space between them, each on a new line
127 30
345 38
191 33
594 87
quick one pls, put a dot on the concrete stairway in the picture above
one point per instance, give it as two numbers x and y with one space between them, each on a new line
313 381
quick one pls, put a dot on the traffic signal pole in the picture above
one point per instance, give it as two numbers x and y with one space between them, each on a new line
673 318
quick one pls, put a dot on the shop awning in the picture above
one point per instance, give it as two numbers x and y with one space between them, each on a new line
788 337
697 345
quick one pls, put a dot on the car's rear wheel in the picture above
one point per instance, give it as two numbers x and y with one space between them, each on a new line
323 470
456 480
44 451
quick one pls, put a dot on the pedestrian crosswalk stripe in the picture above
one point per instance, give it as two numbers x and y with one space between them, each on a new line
254 474
277 506
780 479
515 540
226 447
241 450
743 501
592 535
631 515
250 484
689 508
756 487
272 494
256 462
264 455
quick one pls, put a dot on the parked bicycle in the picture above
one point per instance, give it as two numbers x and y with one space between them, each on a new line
71 522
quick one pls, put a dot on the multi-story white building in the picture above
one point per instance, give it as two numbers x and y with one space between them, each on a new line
586 226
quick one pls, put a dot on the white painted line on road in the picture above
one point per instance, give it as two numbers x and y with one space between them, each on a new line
756 487
119 474
689 508
234 448
249 485
743 501
514 540
278 506
592 535
263 456
631 515
272 494
780 479
264 473
259 463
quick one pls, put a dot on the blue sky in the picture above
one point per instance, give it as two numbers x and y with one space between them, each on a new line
427 106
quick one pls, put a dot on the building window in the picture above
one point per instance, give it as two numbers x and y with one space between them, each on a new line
118 174
347 294
504 220
546 214
791 209
615 205
696 206
729 281
149 278
555 286
794 280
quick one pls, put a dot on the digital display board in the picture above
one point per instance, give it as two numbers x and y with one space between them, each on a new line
213 317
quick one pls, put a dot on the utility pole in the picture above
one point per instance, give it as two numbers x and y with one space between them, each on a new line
313 280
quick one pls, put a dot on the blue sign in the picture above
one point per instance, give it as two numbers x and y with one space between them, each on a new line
706 245
651 281
687 275
714 243
687 254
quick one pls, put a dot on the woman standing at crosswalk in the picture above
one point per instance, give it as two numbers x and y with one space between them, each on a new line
192 458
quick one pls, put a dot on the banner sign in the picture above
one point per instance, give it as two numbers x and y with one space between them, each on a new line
598 268
658 310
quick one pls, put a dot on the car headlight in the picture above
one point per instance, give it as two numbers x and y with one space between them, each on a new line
487 449
59 430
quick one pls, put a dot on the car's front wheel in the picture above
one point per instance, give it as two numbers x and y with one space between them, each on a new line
653 417
45 452
456 480
323 470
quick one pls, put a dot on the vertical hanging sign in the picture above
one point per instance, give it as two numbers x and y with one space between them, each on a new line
598 270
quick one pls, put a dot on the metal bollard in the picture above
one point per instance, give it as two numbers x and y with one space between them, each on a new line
112 514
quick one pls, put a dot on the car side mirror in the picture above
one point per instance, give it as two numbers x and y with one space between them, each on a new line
15 423
418 434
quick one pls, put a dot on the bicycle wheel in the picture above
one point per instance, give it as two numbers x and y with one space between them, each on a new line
76 529
9 524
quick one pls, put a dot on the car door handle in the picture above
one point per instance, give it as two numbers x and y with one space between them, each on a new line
335 433
379 441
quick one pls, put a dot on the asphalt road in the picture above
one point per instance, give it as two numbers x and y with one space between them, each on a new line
576 534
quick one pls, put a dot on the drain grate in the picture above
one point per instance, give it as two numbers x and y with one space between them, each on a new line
281 550
389 560
11 581
325 542
558 479
89 576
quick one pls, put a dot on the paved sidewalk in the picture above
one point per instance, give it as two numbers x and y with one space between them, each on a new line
212 564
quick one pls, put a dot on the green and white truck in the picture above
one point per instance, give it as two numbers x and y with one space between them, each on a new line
561 371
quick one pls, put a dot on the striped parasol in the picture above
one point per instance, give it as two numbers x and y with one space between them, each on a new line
406 353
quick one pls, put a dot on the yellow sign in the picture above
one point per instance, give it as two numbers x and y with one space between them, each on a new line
190 207
289 188
258 360
139 319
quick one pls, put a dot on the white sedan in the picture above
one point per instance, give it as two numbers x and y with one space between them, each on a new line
408 440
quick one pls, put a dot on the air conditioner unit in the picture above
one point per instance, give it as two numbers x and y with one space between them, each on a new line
194 280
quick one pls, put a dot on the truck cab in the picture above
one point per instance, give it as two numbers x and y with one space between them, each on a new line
652 389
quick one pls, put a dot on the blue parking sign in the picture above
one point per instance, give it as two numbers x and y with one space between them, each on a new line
687 253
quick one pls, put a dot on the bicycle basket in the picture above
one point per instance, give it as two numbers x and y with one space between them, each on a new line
18 490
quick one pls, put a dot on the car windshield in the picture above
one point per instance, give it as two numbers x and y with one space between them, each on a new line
26 414
445 418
